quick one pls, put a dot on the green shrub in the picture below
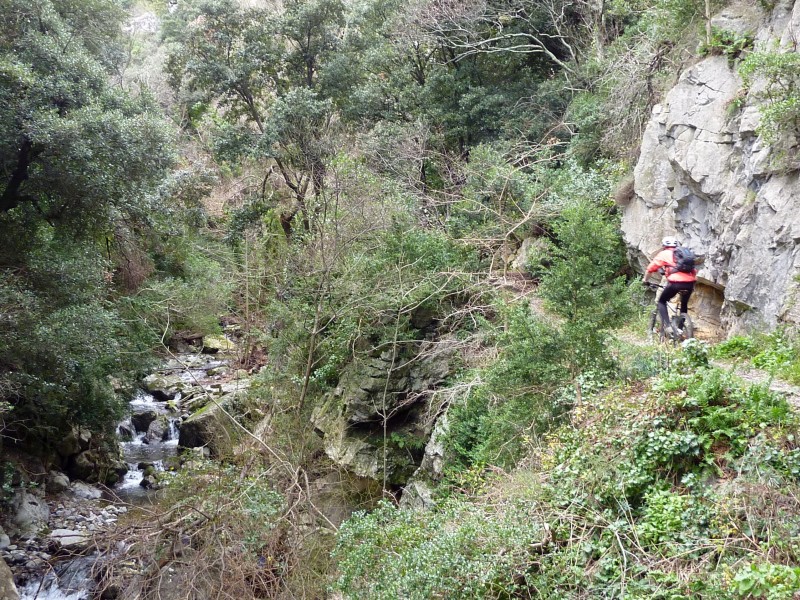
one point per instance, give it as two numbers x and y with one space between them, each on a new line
672 522
738 346
727 43
458 550
517 400
768 581
780 94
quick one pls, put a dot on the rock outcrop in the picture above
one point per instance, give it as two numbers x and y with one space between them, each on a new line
705 175
29 514
373 423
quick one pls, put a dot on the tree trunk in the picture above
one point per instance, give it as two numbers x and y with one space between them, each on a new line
11 197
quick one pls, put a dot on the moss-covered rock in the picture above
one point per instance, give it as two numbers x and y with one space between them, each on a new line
395 386
211 427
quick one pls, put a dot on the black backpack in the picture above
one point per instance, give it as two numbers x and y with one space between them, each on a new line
684 260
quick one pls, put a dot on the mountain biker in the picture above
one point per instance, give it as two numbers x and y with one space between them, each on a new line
678 282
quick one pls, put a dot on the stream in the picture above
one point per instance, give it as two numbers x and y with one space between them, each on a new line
149 442
144 449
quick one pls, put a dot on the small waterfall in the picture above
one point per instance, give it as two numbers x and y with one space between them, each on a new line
141 450
172 433
72 579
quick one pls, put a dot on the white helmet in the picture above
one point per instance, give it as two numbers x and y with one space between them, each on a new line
670 242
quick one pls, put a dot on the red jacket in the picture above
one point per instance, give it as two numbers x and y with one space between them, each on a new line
664 260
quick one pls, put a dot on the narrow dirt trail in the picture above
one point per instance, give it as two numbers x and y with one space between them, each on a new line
762 377
520 287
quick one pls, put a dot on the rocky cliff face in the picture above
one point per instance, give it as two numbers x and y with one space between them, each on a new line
706 176
376 422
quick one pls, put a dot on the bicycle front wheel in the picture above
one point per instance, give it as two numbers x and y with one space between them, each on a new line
651 329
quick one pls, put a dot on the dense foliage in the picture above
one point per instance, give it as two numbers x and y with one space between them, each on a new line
347 181
83 199
685 488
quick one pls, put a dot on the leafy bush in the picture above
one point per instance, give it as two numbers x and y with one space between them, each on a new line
517 398
61 342
661 492
780 95
727 43
777 352
458 550
738 346
767 580
190 291
672 522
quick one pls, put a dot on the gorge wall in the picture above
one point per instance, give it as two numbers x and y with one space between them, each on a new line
706 176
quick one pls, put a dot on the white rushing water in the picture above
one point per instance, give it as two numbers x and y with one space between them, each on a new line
70 580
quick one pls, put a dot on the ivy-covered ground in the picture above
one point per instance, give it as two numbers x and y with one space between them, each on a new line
683 485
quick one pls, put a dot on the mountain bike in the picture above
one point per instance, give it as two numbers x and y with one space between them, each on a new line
680 326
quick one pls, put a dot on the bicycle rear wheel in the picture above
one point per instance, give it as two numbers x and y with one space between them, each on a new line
688 327
682 328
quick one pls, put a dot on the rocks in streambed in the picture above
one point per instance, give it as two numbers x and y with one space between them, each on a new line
73 523
165 387
158 430
82 490
57 482
69 539
5 541
141 420
208 425
211 427
126 431
213 344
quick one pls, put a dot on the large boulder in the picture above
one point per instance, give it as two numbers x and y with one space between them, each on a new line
79 489
211 427
213 344
8 591
97 466
165 387
76 439
57 482
706 176
157 430
29 514
69 539
141 420
5 541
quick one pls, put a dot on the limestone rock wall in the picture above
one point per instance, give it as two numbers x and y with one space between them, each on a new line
375 423
705 176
